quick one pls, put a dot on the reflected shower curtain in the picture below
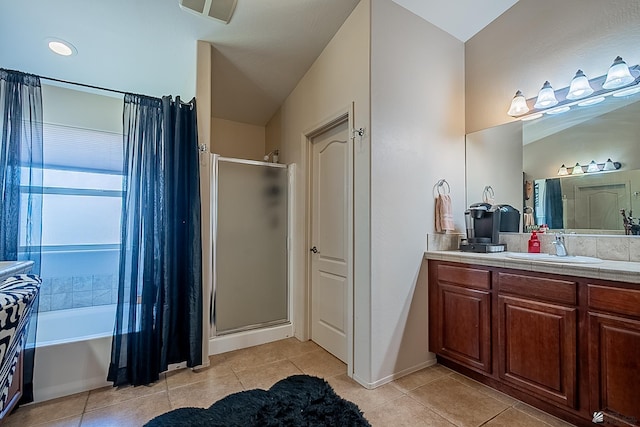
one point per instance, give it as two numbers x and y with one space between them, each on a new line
553 203
21 187
159 311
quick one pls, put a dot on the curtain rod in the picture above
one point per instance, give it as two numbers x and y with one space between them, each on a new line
84 85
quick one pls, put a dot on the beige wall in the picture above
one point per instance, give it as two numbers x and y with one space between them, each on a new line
273 133
538 40
238 140
338 78
417 138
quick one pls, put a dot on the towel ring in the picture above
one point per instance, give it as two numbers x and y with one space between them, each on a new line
442 187
488 195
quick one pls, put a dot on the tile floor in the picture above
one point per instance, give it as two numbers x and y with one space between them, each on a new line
435 396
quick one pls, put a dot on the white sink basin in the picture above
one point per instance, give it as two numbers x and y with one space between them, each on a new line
554 258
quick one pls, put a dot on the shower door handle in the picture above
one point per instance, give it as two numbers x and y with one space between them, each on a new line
314 250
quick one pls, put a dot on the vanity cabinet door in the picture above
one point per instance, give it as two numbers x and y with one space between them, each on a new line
537 348
614 352
460 314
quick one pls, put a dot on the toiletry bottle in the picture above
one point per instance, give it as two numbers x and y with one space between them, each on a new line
534 243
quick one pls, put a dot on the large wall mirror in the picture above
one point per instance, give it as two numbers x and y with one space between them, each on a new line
586 203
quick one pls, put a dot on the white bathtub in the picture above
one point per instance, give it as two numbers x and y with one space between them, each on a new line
73 351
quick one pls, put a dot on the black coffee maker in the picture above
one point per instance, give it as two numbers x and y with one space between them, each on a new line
483 228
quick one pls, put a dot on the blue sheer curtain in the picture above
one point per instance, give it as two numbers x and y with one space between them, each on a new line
159 311
21 187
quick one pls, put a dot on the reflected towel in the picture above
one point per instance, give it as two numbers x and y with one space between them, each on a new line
444 214
528 219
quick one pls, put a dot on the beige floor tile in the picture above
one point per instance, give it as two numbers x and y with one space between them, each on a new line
107 396
253 356
73 421
514 418
133 412
320 364
366 399
458 403
420 378
542 416
484 389
49 411
204 393
292 347
265 376
405 412
182 377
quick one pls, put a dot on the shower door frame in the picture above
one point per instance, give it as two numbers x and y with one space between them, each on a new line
215 158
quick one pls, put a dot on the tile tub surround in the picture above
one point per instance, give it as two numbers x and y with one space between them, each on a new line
62 293
622 271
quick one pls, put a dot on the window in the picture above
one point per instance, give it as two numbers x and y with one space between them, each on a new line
81 209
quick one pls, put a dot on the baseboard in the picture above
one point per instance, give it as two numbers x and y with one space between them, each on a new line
246 339
396 375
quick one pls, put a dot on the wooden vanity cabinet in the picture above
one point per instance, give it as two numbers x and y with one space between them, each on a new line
537 336
461 324
614 353
567 345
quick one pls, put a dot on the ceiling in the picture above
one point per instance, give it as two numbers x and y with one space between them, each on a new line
149 46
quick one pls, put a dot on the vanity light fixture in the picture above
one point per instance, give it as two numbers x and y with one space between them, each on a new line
610 166
621 80
546 97
577 169
593 167
580 86
518 105
618 75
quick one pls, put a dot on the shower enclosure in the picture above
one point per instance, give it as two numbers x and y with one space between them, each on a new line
250 209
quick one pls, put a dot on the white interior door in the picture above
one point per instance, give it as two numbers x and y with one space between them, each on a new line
598 206
329 240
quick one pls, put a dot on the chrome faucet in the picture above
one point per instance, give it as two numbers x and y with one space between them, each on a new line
561 249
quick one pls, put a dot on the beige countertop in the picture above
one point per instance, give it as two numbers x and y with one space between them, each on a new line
9 268
621 271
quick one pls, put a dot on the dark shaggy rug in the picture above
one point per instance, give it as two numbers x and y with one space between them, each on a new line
299 400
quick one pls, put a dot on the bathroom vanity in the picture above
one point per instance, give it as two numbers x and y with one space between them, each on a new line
563 338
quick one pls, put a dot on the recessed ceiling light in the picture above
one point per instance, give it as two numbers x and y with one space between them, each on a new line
61 47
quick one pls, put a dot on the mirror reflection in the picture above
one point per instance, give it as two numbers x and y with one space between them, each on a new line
593 200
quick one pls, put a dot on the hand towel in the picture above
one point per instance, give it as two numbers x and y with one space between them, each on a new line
444 214
528 219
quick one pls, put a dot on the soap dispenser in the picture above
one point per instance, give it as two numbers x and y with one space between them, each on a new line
534 243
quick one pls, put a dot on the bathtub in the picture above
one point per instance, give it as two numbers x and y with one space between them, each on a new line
73 351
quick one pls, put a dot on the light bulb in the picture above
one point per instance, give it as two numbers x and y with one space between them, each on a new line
593 167
518 105
609 166
618 75
579 87
577 169
563 170
546 97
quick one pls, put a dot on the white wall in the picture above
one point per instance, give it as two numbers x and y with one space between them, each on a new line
238 140
338 78
494 158
417 133
538 40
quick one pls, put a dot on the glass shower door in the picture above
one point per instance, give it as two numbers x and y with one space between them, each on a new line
250 245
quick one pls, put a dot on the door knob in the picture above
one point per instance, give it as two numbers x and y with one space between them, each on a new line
314 250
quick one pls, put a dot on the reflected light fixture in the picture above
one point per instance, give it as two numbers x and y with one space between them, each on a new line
579 87
592 101
593 167
618 75
627 92
577 169
546 97
518 105
609 166
563 170
559 110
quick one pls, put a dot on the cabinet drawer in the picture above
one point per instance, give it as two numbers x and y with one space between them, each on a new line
464 276
614 300
552 290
